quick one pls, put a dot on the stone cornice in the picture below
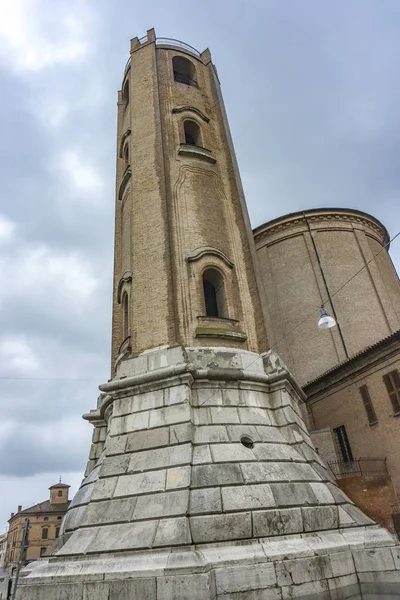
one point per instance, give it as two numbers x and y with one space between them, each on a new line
179 109
200 252
331 217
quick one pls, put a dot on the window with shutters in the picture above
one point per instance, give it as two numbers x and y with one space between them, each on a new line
343 444
369 407
392 382
44 533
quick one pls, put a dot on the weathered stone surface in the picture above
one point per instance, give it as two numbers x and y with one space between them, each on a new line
216 528
245 578
316 518
342 563
201 455
141 440
178 477
114 465
83 495
173 532
231 453
161 505
223 415
177 394
168 416
126 536
293 494
186 587
374 559
104 488
141 483
218 474
205 500
178 434
142 589
277 522
116 445
110 511
254 416
160 457
247 497
206 434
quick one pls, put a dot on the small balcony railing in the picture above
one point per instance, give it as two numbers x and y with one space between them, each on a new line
358 467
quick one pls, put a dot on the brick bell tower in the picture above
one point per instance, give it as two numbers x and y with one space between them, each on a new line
202 481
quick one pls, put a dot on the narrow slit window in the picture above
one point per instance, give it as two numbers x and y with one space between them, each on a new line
125 316
392 383
192 133
343 444
214 294
369 407
184 71
126 156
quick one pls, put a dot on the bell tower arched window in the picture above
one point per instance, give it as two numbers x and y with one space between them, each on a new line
184 70
126 155
214 294
192 133
125 316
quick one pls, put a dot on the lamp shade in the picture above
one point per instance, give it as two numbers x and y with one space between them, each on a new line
325 320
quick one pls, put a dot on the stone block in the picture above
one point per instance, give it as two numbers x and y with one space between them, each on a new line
197 586
205 500
116 445
309 590
231 396
165 357
168 456
173 532
273 594
104 488
322 493
344 518
303 570
79 542
215 475
141 483
339 496
254 398
342 563
207 434
51 591
99 590
224 415
271 434
373 559
109 511
344 587
178 413
231 453
178 477
148 400
201 455
149 438
293 494
114 465
277 452
177 394
161 505
286 548
123 536
253 416
246 497
357 515
216 528
122 406
277 522
140 588
236 432
178 434
136 421
75 517
209 396
245 578
83 495
316 518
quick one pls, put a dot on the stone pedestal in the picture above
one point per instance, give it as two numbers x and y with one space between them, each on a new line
203 483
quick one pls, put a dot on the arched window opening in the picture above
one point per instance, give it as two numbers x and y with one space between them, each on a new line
214 294
192 133
59 494
125 92
125 315
184 70
44 533
126 155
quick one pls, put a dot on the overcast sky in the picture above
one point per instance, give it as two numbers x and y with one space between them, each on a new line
312 90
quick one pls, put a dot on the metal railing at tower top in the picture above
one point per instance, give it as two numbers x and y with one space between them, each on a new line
171 42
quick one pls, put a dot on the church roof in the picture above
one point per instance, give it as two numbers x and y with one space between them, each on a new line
59 485
44 507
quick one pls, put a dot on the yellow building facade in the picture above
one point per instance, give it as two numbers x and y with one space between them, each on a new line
44 526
